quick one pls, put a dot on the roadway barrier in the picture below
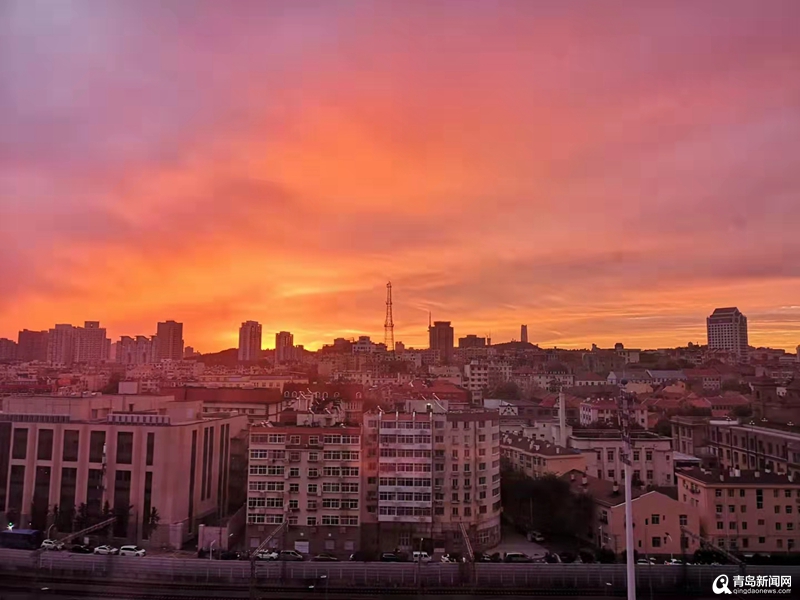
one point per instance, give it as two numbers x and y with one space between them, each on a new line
597 577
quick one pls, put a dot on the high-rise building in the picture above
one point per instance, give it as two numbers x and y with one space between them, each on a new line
91 343
61 345
727 331
135 351
8 349
284 347
169 341
523 336
441 339
250 341
472 341
32 345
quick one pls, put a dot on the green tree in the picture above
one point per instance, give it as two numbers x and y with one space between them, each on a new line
742 411
663 427
150 523
506 391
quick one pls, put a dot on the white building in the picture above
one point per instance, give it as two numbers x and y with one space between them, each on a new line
250 341
727 331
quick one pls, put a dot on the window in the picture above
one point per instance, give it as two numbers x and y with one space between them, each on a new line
788 509
294 472
313 440
610 454
294 488
636 455
71 441
719 508
455 511
720 524
20 444
311 521
732 525
648 455
294 440
151 442
731 508
611 474
312 488
718 493
655 519
683 520
743 508
45 448
656 542
649 474
125 447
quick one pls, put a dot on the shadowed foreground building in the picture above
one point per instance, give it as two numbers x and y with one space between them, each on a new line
142 452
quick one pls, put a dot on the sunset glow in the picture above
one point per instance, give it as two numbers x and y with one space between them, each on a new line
604 172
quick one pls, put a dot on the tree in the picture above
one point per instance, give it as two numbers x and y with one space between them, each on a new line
743 411
82 516
506 391
547 504
112 387
150 523
64 518
663 427
605 555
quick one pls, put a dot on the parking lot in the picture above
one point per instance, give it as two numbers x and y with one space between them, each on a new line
513 541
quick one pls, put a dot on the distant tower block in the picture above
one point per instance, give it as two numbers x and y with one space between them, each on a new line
524 334
388 324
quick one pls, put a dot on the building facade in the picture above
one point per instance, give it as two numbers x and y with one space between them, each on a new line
753 447
169 341
250 341
651 457
440 337
748 511
434 479
61 345
8 349
309 475
536 458
91 343
284 347
134 453
727 331
32 345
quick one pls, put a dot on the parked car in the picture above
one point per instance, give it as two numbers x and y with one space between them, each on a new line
80 549
495 558
449 558
230 555
106 550
552 558
420 557
325 557
266 555
517 557
673 561
52 545
646 561
390 557
132 551
290 555
535 536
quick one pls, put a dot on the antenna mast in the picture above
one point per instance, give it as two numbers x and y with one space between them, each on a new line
388 325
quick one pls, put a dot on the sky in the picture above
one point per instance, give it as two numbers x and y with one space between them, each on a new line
602 172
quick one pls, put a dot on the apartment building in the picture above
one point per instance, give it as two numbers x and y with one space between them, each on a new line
536 458
250 341
727 332
652 455
606 410
748 511
142 452
658 519
763 447
433 479
690 435
305 471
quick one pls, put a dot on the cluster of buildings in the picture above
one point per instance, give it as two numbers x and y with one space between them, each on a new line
363 447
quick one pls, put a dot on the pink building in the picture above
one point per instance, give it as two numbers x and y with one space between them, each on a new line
748 511
536 458
658 519
142 452
606 410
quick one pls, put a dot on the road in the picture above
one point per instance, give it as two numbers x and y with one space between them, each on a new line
167 573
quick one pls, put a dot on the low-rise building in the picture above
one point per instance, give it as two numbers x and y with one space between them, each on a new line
536 458
658 518
651 457
748 511
134 453
606 410
756 446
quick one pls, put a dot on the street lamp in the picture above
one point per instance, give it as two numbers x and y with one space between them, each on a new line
49 529
669 537
211 549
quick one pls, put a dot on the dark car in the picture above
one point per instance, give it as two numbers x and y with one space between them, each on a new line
230 555
517 557
390 557
325 557
80 549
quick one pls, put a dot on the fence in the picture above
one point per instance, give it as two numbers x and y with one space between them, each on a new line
599 578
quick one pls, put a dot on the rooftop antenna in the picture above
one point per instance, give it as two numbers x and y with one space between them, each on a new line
388 324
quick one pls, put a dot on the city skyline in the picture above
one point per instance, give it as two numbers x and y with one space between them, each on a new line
602 174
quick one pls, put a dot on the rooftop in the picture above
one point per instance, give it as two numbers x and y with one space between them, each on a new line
735 477
602 491
532 446
612 434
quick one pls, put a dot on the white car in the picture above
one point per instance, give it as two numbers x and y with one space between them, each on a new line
52 545
266 555
131 551
421 557
106 550
673 561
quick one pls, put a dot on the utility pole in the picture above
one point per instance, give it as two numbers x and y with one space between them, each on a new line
627 450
